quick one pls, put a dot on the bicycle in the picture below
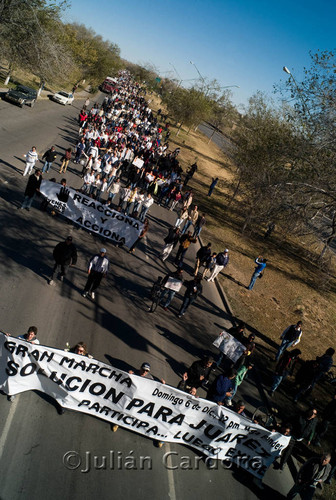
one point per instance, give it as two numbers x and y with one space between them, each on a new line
266 417
155 294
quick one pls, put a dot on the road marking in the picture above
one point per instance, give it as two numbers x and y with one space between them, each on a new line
7 425
171 484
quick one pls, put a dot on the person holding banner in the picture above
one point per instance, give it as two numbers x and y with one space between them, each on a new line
198 373
98 268
31 337
33 187
172 283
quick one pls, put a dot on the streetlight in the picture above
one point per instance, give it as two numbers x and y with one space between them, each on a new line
286 70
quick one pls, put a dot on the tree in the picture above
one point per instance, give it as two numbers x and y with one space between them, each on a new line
95 58
313 112
30 37
267 155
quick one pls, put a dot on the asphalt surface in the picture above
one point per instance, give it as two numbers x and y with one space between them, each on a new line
116 327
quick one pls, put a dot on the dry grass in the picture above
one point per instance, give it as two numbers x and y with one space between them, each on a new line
292 287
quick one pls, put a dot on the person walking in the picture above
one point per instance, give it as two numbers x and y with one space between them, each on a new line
222 388
290 338
185 242
313 472
145 206
191 220
49 157
240 375
171 283
284 368
170 241
213 185
31 159
201 257
222 260
201 221
33 187
65 160
65 255
193 290
258 272
98 268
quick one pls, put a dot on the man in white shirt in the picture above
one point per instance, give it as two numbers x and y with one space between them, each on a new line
146 204
98 268
31 159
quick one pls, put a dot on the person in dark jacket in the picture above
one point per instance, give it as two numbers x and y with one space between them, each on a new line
313 472
33 187
221 388
284 368
65 160
304 425
65 255
193 290
171 241
201 256
222 260
212 185
201 221
290 338
198 373
49 157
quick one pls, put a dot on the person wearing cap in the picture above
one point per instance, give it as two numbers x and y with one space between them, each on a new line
98 268
222 260
144 372
65 255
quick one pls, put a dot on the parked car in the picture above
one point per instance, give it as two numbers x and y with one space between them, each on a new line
63 97
21 95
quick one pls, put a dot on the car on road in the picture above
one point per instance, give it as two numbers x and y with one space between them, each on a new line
21 95
63 97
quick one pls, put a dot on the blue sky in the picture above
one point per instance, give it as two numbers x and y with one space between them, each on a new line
240 42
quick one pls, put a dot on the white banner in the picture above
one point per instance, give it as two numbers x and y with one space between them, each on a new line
230 346
147 407
173 284
138 162
92 215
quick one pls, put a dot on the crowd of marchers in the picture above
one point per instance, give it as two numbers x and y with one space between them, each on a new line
122 158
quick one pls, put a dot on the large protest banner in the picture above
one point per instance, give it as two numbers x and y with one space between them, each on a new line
91 214
139 404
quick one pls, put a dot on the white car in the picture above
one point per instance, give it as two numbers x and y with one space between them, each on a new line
63 97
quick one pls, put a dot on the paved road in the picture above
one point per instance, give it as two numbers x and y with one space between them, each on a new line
116 327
